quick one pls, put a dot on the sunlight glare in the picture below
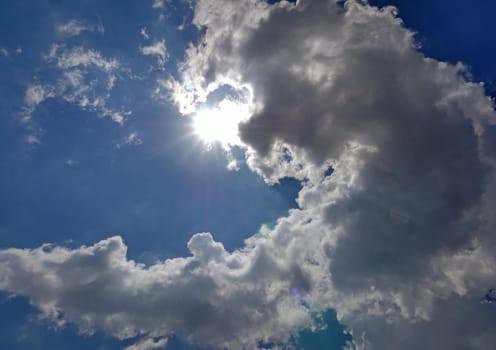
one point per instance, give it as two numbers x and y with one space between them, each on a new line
220 124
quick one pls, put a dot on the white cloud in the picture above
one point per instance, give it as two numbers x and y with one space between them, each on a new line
35 94
130 140
75 27
32 140
144 33
213 298
82 77
148 344
158 50
70 162
79 56
133 139
158 4
4 52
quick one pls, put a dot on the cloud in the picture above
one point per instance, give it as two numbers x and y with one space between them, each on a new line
158 50
75 27
71 162
32 140
212 298
398 239
35 94
148 344
158 4
130 140
79 56
144 33
79 76
337 83
4 52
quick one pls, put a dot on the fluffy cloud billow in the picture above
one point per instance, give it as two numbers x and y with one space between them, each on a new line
399 239
212 298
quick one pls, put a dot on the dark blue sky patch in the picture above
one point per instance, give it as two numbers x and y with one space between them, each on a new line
331 336
329 171
453 31
276 1
490 297
21 329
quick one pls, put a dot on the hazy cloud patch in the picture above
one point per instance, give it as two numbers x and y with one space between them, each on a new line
75 27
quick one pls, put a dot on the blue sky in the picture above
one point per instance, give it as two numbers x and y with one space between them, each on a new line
96 141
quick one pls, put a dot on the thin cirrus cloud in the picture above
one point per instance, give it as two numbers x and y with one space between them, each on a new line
148 344
75 27
158 4
77 75
5 53
398 239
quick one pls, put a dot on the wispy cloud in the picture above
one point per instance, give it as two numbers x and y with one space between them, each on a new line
75 27
144 33
35 94
80 76
131 140
32 140
158 4
4 52
148 344
158 50
79 56
70 162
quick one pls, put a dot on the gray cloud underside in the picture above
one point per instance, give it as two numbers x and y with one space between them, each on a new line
399 239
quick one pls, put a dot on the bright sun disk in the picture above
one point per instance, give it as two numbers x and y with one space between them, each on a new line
220 124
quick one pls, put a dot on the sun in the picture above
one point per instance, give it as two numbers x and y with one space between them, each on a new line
220 124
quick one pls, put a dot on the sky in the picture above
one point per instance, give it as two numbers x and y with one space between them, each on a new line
218 174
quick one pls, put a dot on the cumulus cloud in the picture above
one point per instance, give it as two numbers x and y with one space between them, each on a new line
334 81
213 298
75 27
398 239
158 50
